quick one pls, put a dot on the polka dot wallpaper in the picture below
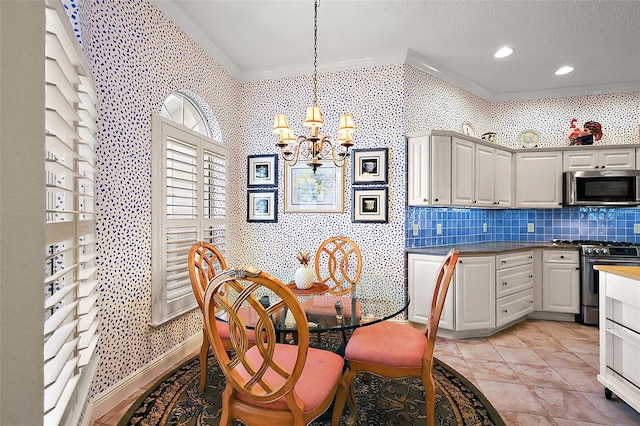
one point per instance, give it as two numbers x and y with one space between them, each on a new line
138 57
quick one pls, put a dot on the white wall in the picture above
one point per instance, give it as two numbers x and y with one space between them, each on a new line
21 211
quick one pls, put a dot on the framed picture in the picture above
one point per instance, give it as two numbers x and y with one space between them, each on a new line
262 170
369 205
369 166
262 205
309 192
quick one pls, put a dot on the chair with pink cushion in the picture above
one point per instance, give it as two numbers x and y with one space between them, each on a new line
269 383
205 262
395 350
338 264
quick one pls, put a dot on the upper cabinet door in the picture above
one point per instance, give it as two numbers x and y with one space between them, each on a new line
579 160
418 163
484 176
429 171
618 159
462 172
539 179
503 179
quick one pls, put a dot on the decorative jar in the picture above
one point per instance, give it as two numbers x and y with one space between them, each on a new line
304 274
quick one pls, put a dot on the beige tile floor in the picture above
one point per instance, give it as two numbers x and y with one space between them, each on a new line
534 373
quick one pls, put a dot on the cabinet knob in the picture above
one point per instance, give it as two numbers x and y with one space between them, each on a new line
424 200
530 276
505 283
505 311
603 167
596 167
504 261
561 257
435 199
530 257
577 269
531 302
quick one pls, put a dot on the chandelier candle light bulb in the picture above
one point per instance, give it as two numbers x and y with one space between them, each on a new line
317 146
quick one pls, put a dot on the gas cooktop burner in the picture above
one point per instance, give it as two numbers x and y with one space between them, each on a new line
594 243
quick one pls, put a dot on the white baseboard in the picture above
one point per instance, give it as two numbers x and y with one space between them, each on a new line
113 396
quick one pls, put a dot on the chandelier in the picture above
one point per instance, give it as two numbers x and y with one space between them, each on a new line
317 146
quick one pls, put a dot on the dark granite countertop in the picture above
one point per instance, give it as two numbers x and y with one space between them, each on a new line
489 248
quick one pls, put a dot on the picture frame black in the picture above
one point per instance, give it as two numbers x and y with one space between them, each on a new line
262 205
369 205
262 171
369 166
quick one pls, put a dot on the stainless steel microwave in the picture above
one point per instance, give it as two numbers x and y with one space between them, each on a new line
602 188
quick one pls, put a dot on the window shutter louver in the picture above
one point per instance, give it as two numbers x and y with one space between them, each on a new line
189 188
70 286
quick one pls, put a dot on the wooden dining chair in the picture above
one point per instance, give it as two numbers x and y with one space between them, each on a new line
269 383
205 262
395 350
338 264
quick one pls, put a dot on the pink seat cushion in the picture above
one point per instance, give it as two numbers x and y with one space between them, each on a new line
223 329
387 343
248 315
321 372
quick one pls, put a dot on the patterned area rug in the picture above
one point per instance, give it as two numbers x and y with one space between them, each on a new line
176 400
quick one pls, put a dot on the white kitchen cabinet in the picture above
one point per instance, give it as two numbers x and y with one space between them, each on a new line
475 293
560 281
484 188
614 159
620 333
462 172
514 286
513 307
539 179
429 170
503 179
422 272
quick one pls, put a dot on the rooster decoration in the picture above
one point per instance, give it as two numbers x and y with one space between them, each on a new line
592 130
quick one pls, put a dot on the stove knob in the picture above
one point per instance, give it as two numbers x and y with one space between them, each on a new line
597 251
589 251
604 251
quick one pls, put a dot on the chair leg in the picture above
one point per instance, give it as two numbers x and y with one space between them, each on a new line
430 399
351 395
338 404
204 352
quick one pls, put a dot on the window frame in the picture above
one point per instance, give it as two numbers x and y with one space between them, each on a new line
163 309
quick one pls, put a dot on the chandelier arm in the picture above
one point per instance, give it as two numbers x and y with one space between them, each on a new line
338 158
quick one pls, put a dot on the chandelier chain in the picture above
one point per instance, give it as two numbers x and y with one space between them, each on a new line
315 53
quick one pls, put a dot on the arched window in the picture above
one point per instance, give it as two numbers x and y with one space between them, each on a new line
188 198
180 109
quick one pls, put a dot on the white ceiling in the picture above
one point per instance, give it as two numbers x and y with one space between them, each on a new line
453 40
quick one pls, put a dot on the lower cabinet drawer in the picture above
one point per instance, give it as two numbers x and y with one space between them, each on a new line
514 306
512 280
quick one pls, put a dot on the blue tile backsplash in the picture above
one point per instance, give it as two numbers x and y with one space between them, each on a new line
463 225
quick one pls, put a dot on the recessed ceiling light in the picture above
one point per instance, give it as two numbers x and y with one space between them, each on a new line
503 52
564 70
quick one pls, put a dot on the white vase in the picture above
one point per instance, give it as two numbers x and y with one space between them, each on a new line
304 277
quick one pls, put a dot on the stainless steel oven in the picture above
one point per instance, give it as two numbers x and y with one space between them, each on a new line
599 253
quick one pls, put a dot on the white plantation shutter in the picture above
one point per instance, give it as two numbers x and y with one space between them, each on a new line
188 202
70 286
